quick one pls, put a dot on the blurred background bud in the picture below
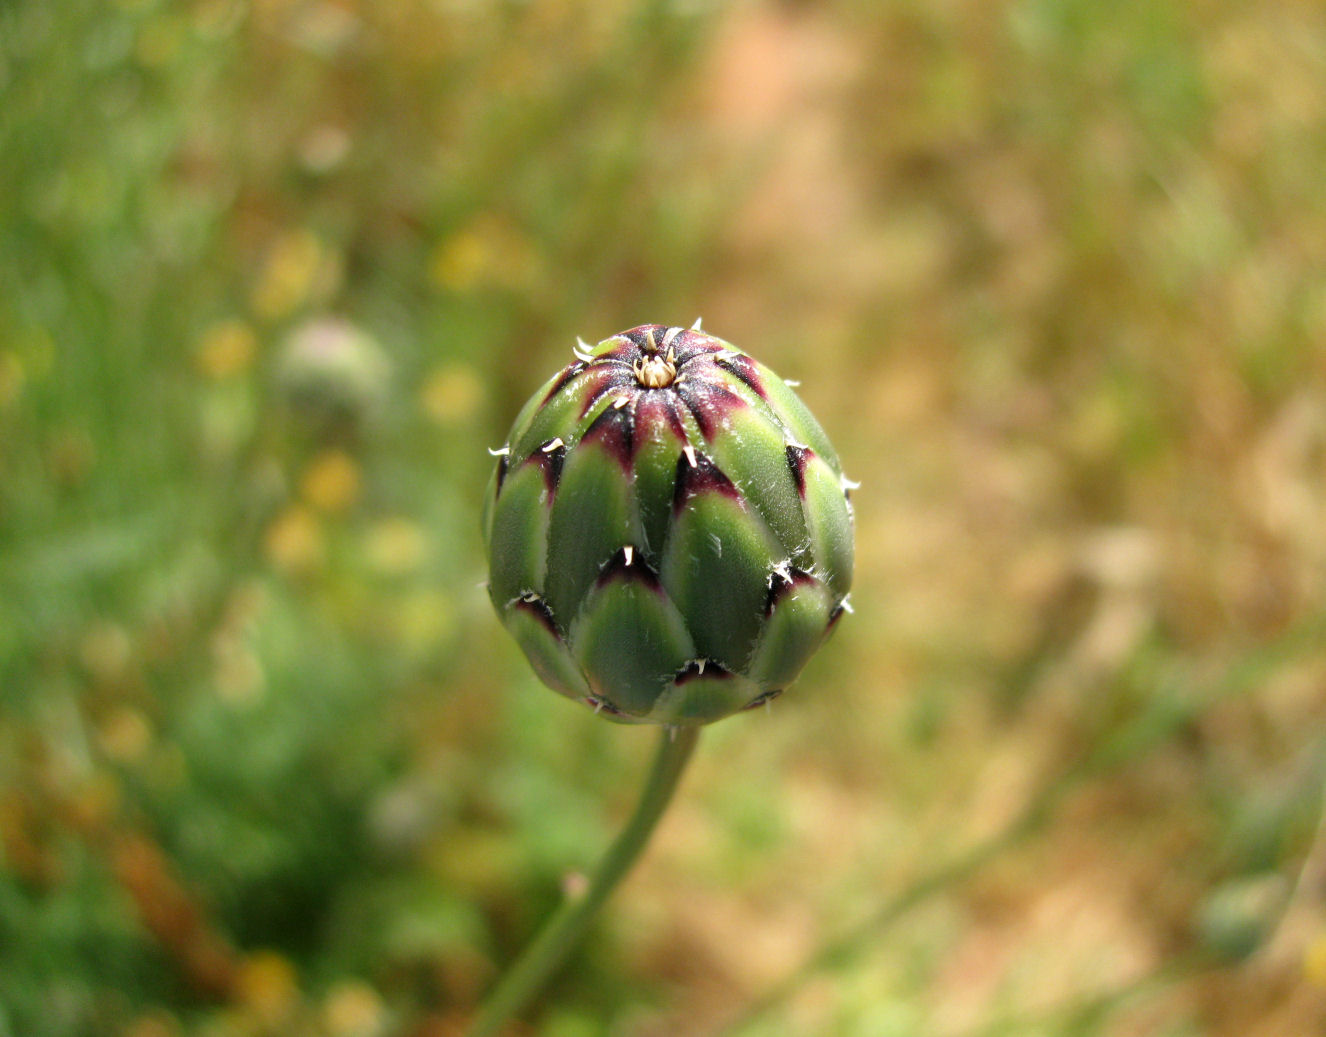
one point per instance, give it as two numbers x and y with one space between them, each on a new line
1238 916
334 376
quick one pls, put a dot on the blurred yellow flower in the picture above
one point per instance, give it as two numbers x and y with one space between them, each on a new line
488 251
226 349
395 546
331 481
459 261
452 394
1314 962
125 735
353 1009
297 265
294 542
239 677
268 986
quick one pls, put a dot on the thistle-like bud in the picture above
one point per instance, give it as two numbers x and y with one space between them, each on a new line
668 530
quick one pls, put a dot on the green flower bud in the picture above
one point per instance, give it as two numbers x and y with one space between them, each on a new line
334 375
668 530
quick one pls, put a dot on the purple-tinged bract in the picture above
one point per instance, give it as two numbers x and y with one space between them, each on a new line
669 533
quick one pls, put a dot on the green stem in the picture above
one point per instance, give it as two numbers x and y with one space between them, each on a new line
563 930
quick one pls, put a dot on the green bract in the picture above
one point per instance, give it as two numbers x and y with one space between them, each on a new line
668 531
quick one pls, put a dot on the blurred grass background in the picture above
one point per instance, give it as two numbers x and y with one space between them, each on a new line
274 272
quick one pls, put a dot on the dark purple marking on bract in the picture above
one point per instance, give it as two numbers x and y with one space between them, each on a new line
503 463
743 367
760 700
538 608
550 462
702 477
697 668
637 570
568 372
614 430
602 378
798 457
689 345
783 584
656 409
835 615
710 401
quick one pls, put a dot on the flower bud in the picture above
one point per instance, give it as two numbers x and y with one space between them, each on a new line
668 530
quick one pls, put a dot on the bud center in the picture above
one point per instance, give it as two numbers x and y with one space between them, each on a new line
654 372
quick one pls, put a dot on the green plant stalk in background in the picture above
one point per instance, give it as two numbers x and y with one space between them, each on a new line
565 928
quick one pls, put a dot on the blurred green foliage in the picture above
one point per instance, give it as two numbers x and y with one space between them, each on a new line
272 275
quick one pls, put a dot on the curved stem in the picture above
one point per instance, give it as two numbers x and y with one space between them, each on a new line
563 930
